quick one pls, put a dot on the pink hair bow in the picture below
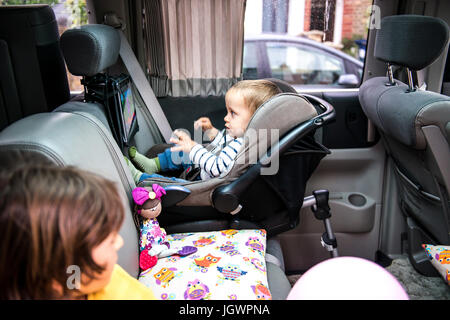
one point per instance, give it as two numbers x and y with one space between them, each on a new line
141 195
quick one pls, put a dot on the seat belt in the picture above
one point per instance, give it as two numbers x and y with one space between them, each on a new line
144 88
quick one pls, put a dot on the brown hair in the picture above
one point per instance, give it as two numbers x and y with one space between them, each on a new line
51 218
151 203
255 92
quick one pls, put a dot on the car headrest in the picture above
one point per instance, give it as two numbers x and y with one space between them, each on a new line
411 41
275 117
90 49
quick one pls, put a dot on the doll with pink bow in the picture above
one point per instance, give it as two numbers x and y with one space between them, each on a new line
153 242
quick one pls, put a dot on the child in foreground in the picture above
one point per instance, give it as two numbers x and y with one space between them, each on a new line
55 221
242 100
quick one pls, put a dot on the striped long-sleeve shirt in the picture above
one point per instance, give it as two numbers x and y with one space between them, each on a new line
220 159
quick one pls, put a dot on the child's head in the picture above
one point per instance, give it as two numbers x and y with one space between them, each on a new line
52 218
242 100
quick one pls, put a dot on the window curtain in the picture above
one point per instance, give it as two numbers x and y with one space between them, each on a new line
193 47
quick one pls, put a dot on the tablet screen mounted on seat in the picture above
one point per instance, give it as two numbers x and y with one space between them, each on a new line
117 95
127 110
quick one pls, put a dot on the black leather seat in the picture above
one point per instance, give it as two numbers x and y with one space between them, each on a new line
415 126
33 76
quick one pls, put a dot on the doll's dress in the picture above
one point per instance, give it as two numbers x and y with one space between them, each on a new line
153 244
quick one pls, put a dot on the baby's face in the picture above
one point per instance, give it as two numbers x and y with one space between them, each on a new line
238 115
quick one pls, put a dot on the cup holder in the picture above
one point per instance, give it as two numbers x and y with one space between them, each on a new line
357 200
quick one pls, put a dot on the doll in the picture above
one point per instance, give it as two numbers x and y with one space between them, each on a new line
153 242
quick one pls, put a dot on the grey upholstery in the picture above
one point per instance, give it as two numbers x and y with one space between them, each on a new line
274 253
94 109
415 126
33 76
413 110
278 283
90 49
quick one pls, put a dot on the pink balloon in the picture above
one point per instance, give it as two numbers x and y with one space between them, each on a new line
347 278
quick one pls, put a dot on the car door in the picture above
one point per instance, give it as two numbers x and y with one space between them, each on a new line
354 174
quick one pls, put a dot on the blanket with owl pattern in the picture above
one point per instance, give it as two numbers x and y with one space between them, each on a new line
229 265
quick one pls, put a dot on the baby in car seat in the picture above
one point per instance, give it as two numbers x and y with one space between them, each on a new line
242 100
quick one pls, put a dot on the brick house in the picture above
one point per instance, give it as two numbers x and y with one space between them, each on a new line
347 18
350 17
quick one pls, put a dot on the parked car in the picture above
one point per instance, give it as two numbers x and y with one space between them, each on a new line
304 63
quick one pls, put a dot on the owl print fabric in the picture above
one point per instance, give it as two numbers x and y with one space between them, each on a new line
440 259
229 265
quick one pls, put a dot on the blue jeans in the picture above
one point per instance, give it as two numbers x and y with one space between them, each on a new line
170 161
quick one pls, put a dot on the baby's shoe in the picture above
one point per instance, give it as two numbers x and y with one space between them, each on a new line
143 163
134 172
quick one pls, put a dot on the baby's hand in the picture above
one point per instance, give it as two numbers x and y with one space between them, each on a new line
183 142
205 124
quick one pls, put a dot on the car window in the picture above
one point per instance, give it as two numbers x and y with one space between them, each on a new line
329 37
250 67
303 65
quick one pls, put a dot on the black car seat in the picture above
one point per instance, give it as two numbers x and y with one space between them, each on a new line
414 125
33 76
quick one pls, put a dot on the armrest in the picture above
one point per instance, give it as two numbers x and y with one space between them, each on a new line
174 194
226 198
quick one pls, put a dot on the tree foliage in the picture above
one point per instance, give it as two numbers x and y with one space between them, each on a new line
16 2
77 8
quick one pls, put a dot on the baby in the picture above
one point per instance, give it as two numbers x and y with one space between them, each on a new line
242 100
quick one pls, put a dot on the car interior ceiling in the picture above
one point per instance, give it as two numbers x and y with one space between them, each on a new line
49 105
